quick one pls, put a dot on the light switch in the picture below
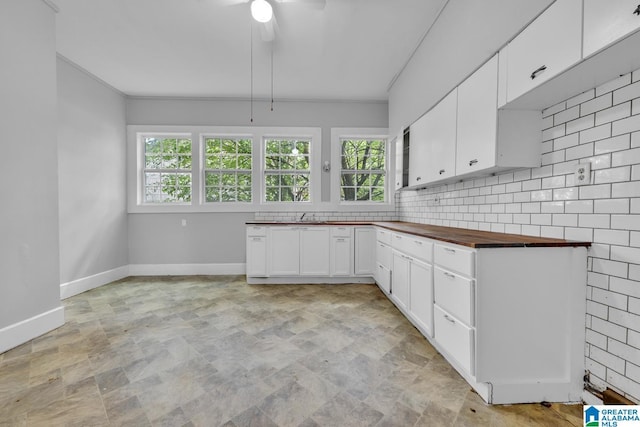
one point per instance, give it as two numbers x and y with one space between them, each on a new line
582 174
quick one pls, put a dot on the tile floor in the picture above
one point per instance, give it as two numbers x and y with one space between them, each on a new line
209 351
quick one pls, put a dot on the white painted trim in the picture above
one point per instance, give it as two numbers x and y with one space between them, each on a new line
186 269
84 284
309 280
13 335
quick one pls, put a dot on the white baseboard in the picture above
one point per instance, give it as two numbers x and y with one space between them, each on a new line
84 284
13 335
185 269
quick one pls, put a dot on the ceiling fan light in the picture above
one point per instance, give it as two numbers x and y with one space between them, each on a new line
261 10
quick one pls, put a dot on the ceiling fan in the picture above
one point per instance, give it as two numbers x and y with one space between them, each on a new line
263 13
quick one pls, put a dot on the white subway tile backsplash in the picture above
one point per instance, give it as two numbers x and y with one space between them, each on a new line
552 232
566 115
596 104
578 206
611 268
626 93
541 219
600 324
607 359
570 140
582 98
571 193
602 191
600 313
612 237
620 174
576 125
578 234
616 112
624 318
613 84
552 207
542 195
626 189
598 280
635 206
625 254
627 125
594 134
625 286
627 157
617 143
531 230
579 152
566 220
610 299
547 122
554 109
522 175
598 250
553 157
594 220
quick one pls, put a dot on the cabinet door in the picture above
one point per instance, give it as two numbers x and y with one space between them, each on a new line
607 21
256 256
365 251
314 251
548 46
399 146
440 159
383 278
284 251
341 256
418 136
477 119
400 280
421 293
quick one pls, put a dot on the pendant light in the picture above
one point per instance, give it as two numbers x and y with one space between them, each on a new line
261 11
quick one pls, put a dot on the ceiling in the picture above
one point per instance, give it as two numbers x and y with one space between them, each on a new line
350 50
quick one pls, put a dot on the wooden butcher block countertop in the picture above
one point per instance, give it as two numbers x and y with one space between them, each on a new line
458 236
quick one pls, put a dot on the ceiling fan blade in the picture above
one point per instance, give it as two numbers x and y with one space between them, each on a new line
315 4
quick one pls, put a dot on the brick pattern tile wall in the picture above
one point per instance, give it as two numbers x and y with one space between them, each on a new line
602 127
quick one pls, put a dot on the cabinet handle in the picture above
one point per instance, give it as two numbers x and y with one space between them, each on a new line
451 251
637 11
340 240
398 237
418 178
473 162
441 171
418 242
449 275
538 71
449 319
257 239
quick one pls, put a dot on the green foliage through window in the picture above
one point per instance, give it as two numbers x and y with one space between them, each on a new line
227 169
362 175
167 170
287 170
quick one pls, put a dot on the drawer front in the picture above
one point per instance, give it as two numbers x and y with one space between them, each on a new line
383 236
455 294
456 259
341 231
413 246
254 230
383 255
456 338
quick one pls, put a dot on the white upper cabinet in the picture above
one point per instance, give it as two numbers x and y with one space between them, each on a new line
548 46
418 152
477 119
607 21
441 140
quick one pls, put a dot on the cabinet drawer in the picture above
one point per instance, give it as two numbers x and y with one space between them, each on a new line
456 338
413 246
383 255
456 259
256 230
341 231
455 294
383 236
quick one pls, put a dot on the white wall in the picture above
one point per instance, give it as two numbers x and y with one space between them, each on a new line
92 176
29 287
219 238
600 126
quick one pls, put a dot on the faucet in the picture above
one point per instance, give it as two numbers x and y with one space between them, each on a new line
302 216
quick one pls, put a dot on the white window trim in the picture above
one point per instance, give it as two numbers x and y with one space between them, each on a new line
338 134
135 166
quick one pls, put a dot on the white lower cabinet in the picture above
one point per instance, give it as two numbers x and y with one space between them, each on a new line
341 256
314 251
456 338
365 251
256 251
400 284
284 251
421 295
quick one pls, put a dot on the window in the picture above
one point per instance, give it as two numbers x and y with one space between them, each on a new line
167 169
287 170
227 169
362 170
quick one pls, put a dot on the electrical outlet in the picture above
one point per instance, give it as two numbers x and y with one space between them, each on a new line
582 174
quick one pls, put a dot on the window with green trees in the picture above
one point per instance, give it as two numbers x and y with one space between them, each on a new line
363 171
287 170
167 170
227 169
